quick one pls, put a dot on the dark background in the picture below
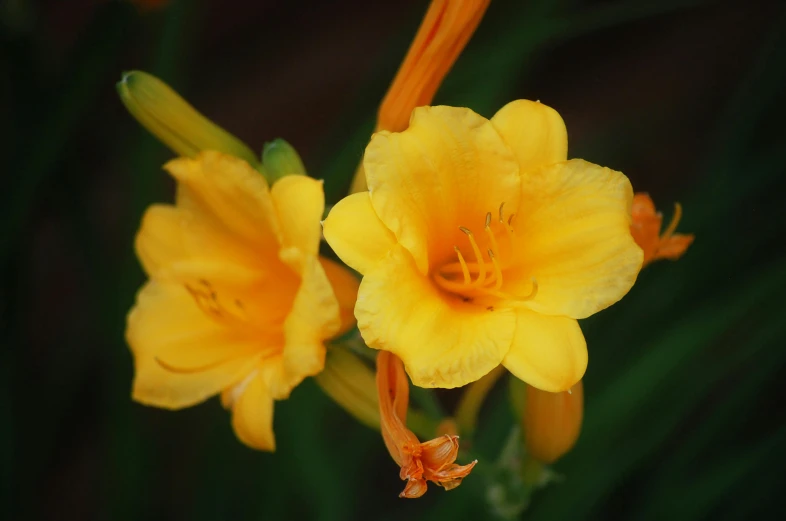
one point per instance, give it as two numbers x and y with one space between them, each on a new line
685 405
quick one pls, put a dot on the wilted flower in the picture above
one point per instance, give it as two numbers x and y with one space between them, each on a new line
420 462
646 231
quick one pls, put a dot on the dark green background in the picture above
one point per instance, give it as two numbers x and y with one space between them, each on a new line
685 405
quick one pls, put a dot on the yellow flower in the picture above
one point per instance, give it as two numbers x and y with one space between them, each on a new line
443 34
238 301
646 231
481 244
552 422
420 463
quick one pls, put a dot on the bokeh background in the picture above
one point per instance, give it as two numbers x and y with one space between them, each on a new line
684 397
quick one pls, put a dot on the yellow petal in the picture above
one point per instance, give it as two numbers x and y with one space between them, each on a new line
573 236
356 234
252 415
449 164
313 319
230 194
442 341
535 133
345 286
170 235
177 247
166 328
299 202
547 352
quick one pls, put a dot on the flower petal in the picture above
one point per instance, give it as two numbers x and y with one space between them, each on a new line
299 202
442 341
345 287
356 234
228 193
573 237
313 319
534 132
252 415
169 235
547 352
166 329
449 166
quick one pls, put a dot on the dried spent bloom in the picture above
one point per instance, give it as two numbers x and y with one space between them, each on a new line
420 462
239 301
444 32
480 244
646 231
552 422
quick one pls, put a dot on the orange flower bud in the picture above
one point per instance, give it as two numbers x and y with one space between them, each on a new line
552 422
419 462
443 34
646 231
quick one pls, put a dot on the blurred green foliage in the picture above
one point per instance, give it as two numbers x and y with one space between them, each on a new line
685 414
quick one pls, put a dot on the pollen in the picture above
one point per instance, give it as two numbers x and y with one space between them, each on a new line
483 275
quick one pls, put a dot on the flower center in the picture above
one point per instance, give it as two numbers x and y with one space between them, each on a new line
483 274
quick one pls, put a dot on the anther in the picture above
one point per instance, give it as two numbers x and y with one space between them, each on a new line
488 219
501 214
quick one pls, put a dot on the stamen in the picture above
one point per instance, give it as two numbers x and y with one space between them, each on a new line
501 214
675 220
478 257
464 268
515 298
492 239
497 270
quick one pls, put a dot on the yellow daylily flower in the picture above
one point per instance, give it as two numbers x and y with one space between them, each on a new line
239 301
480 244
444 32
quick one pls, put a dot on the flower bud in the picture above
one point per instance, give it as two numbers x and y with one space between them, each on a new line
552 421
166 115
351 384
279 159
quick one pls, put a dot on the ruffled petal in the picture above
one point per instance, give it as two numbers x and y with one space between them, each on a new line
448 167
547 352
252 415
573 236
182 357
356 234
299 202
442 341
534 132
313 319
228 193
345 287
